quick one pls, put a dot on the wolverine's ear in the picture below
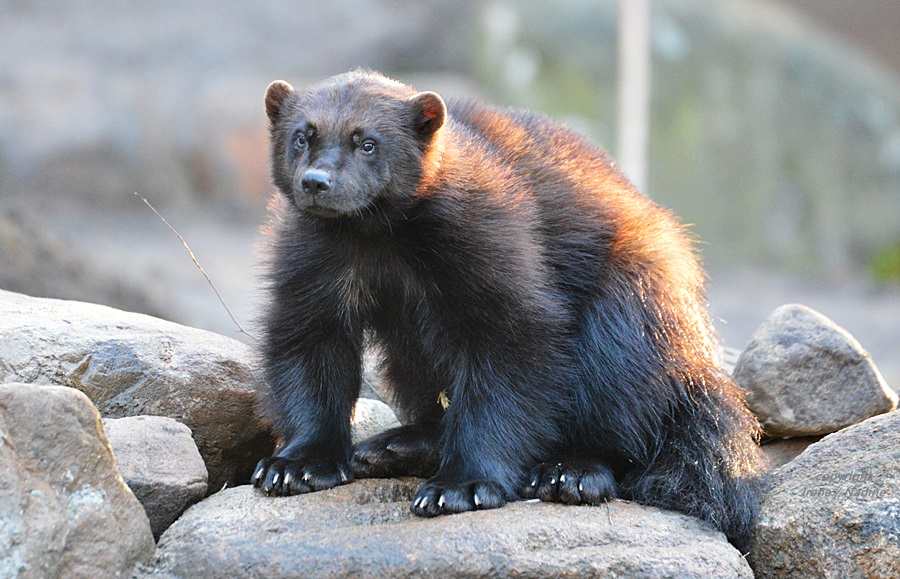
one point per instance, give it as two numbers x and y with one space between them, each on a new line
429 113
275 96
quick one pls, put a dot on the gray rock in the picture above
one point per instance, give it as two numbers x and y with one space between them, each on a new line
130 364
64 510
365 529
160 463
806 375
781 451
370 418
834 511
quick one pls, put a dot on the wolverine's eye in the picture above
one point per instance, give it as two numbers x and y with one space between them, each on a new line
303 137
367 147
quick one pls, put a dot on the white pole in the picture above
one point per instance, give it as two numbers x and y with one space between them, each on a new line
634 89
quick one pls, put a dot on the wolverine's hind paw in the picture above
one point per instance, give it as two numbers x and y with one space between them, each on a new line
409 450
284 476
573 482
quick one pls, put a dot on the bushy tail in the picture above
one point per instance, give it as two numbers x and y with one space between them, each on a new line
709 465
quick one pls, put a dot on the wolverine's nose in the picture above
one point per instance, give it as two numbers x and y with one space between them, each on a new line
316 181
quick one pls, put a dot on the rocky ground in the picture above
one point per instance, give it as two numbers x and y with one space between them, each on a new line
72 483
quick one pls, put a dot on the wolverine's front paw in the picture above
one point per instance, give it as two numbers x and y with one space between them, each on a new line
437 498
282 477
574 482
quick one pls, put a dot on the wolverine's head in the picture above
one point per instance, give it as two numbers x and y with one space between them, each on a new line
351 144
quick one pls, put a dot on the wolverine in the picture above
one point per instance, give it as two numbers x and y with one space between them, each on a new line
542 324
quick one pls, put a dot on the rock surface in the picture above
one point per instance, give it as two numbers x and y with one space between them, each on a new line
160 463
834 511
64 509
131 364
806 375
365 529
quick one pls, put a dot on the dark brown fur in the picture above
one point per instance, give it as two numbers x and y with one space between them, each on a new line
502 262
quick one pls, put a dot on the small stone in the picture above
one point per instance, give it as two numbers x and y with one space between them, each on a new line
160 463
371 417
807 376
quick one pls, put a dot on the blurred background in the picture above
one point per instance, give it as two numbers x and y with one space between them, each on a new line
774 131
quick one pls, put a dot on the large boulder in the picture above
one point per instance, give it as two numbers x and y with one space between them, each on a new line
834 511
131 364
807 376
64 509
160 463
366 529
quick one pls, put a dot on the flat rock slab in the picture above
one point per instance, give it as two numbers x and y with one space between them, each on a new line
131 364
807 376
365 529
834 511
64 510
160 464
